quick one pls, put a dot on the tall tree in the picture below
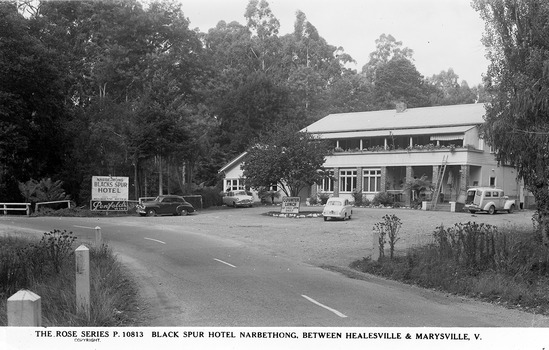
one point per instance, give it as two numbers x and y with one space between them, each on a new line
517 115
399 81
264 27
450 91
32 111
387 48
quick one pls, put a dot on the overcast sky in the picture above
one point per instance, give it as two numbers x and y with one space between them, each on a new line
443 33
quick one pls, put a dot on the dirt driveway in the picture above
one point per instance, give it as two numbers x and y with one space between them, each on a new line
335 243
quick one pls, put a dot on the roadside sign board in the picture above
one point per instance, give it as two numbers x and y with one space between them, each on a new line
110 193
290 205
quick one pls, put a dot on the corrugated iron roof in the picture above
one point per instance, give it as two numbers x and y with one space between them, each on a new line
426 117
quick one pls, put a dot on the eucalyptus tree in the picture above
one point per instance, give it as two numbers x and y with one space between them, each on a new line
387 48
517 114
309 68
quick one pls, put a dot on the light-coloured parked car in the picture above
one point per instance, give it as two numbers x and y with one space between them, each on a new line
337 208
488 199
238 199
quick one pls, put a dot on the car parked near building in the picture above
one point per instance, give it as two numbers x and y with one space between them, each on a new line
165 205
337 208
488 199
238 199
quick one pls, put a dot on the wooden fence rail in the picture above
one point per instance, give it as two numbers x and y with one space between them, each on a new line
16 207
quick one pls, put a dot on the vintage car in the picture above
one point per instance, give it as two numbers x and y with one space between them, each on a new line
238 199
167 204
337 208
488 199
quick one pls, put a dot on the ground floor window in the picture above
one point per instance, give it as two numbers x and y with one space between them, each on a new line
327 183
347 180
371 180
234 184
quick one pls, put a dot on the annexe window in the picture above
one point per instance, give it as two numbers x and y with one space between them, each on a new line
347 180
234 184
371 180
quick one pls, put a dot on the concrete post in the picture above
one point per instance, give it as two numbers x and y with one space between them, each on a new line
24 309
98 238
83 279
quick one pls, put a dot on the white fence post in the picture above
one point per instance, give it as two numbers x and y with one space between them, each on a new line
83 279
24 309
98 238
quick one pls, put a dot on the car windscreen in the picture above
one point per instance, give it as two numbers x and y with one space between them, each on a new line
334 203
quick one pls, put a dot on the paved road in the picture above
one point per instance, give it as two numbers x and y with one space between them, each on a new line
223 268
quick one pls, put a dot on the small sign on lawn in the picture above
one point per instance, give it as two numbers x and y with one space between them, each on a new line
290 205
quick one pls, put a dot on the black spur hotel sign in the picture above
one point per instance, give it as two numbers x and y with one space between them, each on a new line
109 193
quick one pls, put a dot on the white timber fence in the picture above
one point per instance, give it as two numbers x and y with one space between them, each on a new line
25 307
5 207
53 202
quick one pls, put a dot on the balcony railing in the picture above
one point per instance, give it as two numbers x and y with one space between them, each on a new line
429 147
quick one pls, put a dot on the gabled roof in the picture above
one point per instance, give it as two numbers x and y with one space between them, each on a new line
233 162
413 118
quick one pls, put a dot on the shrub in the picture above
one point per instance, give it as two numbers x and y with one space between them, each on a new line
509 266
323 197
383 198
210 196
388 229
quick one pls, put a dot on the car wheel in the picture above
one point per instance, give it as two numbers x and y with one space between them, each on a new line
151 212
512 209
472 211
183 212
325 218
492 210
234 204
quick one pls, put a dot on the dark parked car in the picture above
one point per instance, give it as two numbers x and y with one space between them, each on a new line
172 205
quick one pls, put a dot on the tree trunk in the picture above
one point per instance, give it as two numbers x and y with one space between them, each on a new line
542 203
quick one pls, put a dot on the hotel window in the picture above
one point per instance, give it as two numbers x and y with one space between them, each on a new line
347 180
371 180
327 183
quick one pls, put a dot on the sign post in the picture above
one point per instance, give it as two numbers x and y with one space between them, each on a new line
290 205
110 193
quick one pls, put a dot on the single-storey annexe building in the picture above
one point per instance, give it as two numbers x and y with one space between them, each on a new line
379 151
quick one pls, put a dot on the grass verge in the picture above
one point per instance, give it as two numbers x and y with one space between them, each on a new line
508 267
47 268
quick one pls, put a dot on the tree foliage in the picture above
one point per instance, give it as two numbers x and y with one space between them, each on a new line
127 88
289 159
517 115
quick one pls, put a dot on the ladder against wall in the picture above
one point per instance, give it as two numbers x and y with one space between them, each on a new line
438 184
